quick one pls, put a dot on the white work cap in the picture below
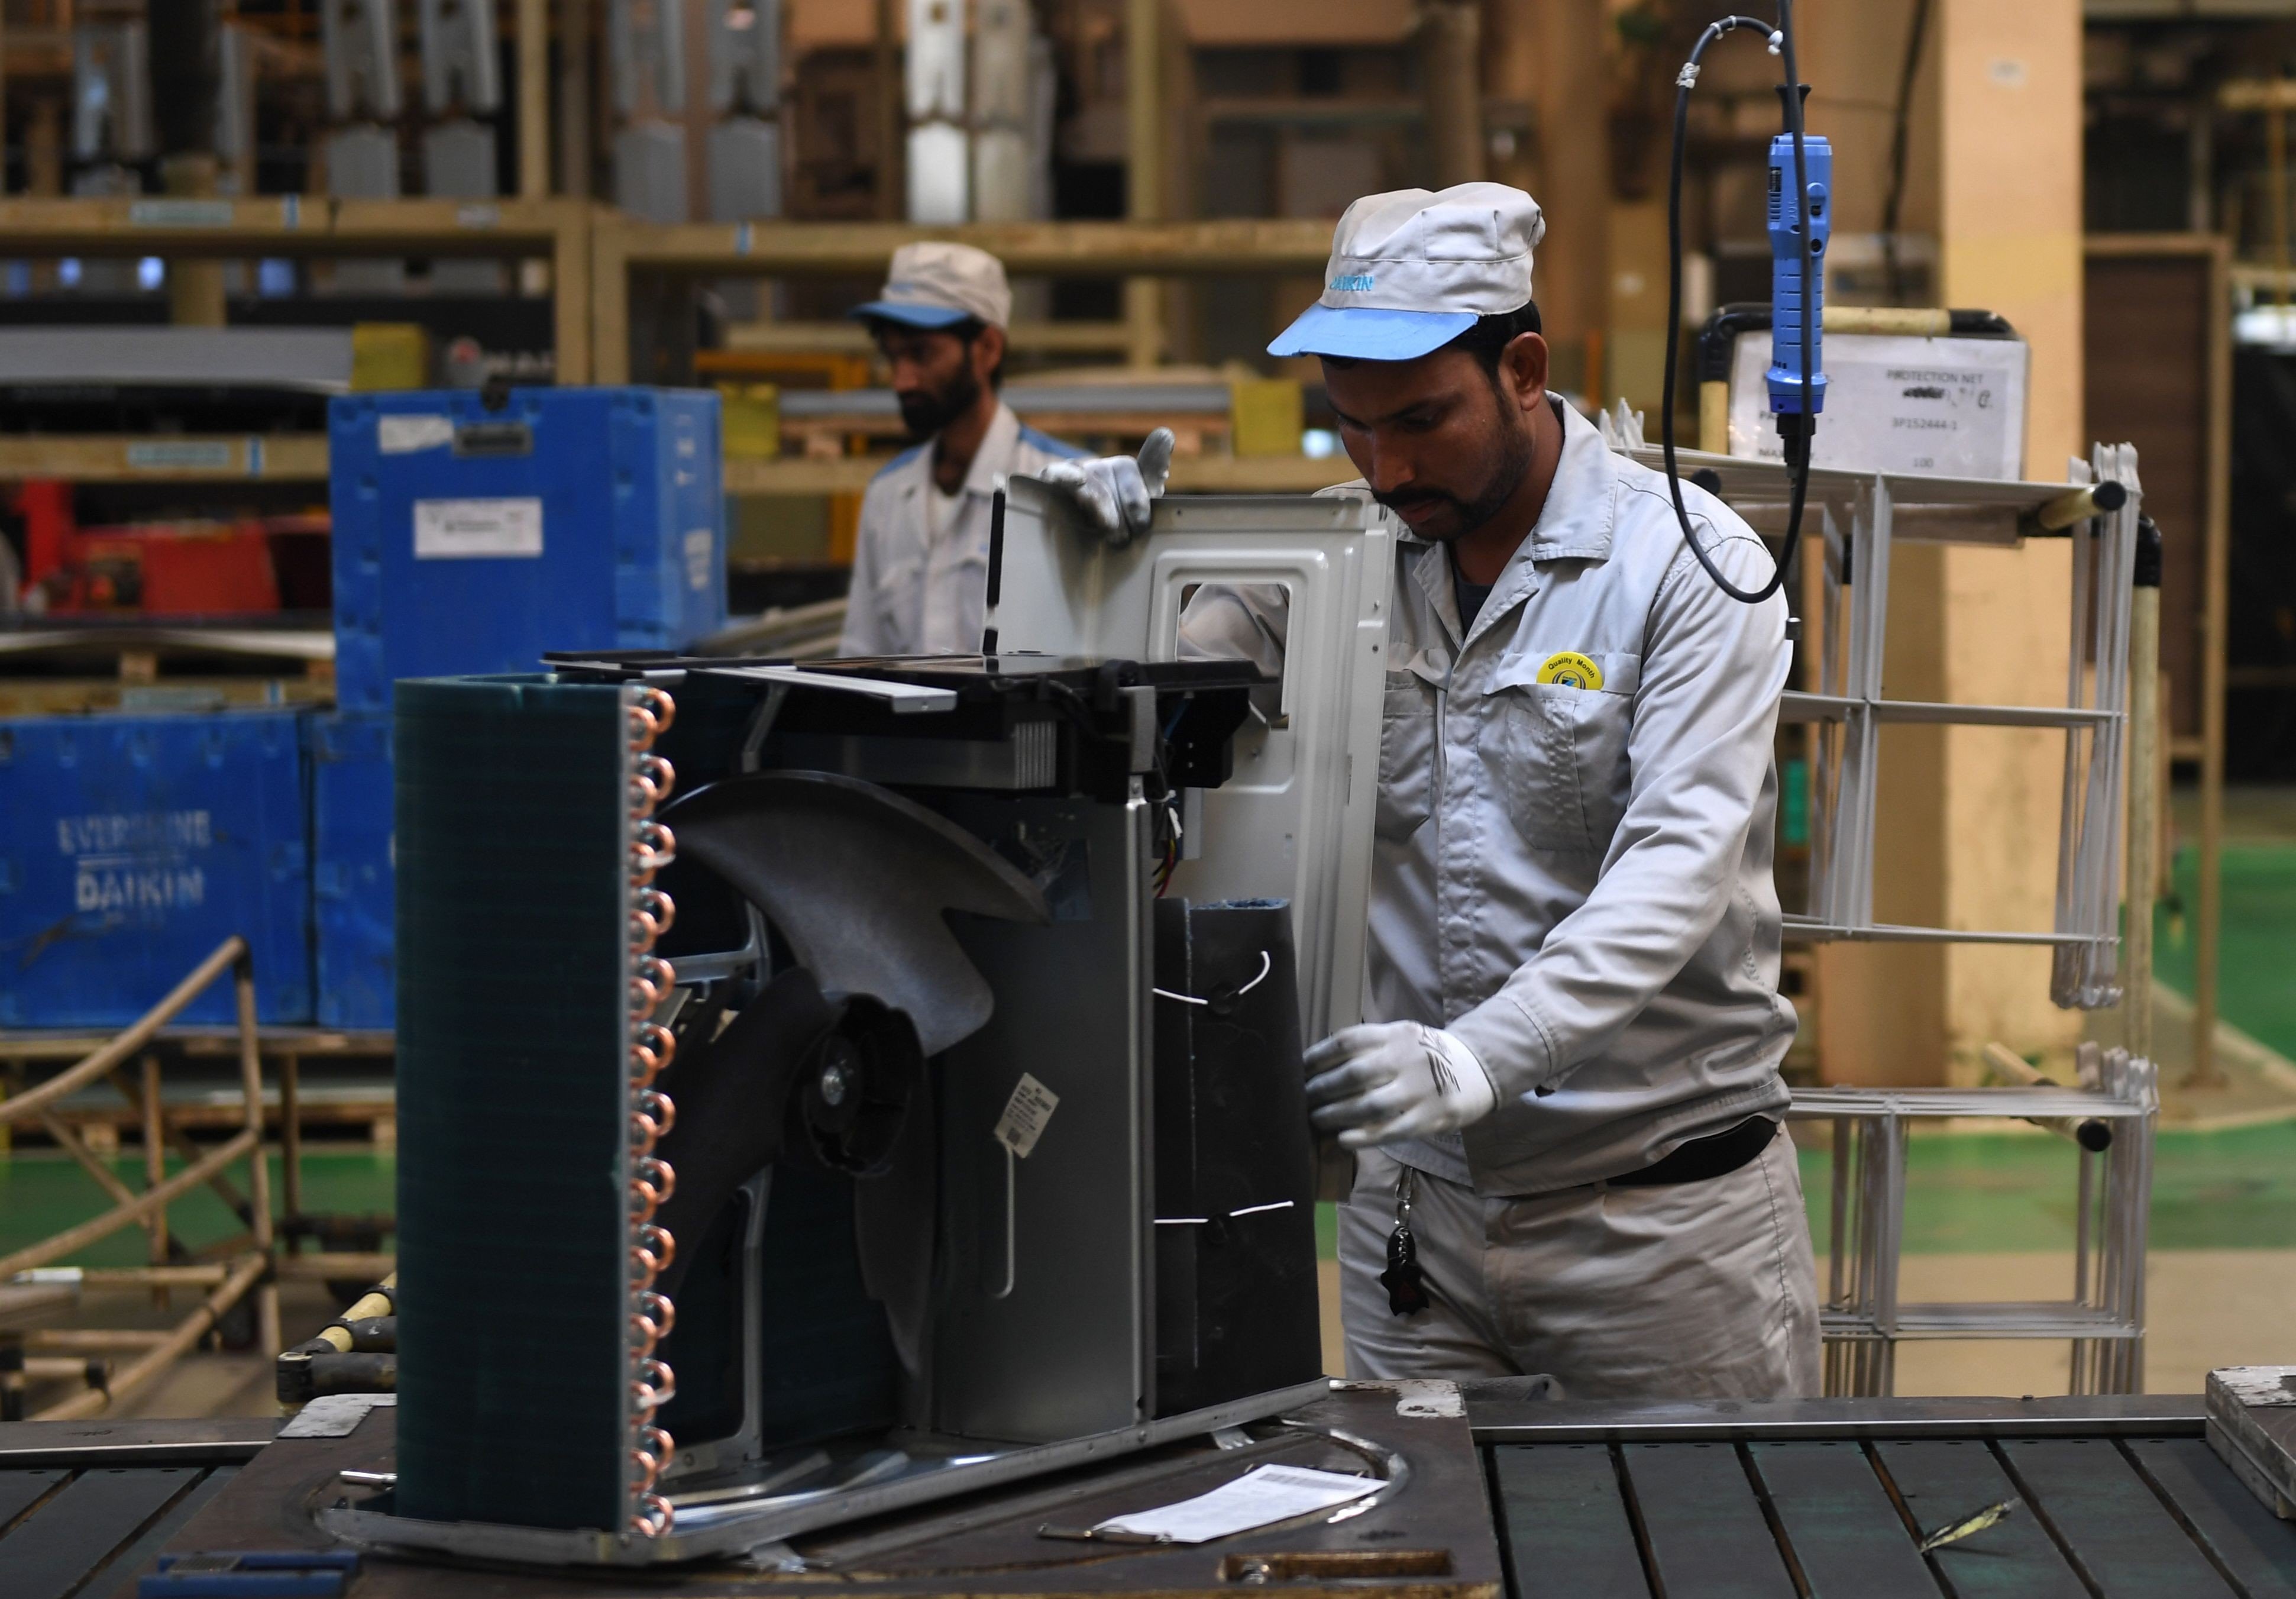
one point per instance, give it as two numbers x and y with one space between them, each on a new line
935 285
1413 269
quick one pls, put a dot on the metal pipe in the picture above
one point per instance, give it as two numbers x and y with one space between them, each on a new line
72 1240
187 1333
258 1166
128 1043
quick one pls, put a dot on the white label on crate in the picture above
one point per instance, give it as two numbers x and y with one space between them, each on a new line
1025 1116
403 435
463 530
699 547
1951 407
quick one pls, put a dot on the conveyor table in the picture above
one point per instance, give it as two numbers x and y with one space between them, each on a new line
2117 1495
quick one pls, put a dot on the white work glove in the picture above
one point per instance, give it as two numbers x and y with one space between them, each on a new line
1395 1079
1113 491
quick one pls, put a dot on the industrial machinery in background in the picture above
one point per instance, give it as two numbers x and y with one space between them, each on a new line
938 1021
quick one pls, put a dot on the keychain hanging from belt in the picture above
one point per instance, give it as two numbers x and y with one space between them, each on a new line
1405 1282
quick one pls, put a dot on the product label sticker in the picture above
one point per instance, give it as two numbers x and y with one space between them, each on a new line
1570 669
403 435
463 530
1026 1114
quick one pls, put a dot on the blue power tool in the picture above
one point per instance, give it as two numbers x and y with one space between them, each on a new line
1797 293
1800 223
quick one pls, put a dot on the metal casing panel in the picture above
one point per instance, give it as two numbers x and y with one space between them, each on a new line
134 846
351 877
1294 823
1059 1345
632 535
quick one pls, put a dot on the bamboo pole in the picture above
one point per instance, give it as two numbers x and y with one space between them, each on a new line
258 1166
128 1042
155 1163
72 1240
179 1343
89 1161
69 1340
291 1141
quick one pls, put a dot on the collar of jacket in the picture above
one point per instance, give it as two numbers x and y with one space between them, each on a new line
992 461
1574 524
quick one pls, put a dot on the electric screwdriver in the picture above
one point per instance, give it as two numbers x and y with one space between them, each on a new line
1797 287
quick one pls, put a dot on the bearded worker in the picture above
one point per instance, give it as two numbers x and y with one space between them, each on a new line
921 564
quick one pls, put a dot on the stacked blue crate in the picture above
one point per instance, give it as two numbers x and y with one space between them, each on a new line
351 874
470 540
132 846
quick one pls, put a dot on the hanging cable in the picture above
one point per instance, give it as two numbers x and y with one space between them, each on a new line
1795 437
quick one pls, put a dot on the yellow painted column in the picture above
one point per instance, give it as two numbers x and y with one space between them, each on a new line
2010 211
1968 817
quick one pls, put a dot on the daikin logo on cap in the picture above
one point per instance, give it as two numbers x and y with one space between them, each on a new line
1411 270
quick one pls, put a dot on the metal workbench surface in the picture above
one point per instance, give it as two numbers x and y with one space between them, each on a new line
2115 1496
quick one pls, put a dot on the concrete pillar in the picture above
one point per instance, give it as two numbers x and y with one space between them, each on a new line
1450 71
1554 58
1969 815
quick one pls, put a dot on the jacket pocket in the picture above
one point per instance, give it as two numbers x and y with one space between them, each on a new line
1406 758
1556 754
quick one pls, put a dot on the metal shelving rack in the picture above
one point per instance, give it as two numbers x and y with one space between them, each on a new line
1860 516
1864 1320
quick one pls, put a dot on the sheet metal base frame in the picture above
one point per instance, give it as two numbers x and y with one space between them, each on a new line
718 1532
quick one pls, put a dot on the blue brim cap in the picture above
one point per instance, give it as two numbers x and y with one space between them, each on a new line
1370 333
909 315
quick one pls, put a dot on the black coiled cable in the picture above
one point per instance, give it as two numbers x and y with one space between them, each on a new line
1797 439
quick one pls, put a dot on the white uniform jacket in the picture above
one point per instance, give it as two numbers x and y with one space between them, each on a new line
1576 879
918 592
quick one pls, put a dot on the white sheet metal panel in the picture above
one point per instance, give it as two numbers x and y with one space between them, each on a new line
1294 823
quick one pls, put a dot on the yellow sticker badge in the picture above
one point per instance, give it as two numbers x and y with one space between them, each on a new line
1571 671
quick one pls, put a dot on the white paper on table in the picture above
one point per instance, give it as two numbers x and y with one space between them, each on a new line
1265 1494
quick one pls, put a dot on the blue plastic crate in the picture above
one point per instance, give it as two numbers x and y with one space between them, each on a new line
471 541
132 846
352 870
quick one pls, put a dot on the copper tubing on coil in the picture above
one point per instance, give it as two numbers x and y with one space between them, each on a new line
651 1046
653 1251
652 1321
652 847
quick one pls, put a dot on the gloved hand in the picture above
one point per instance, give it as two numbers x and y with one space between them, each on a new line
1395 1079
1113 491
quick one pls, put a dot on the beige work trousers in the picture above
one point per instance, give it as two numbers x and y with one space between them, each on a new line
1702 1290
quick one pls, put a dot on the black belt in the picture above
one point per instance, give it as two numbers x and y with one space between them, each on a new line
1715 1155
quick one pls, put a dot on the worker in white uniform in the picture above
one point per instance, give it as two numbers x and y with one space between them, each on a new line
1565 1104
921 564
